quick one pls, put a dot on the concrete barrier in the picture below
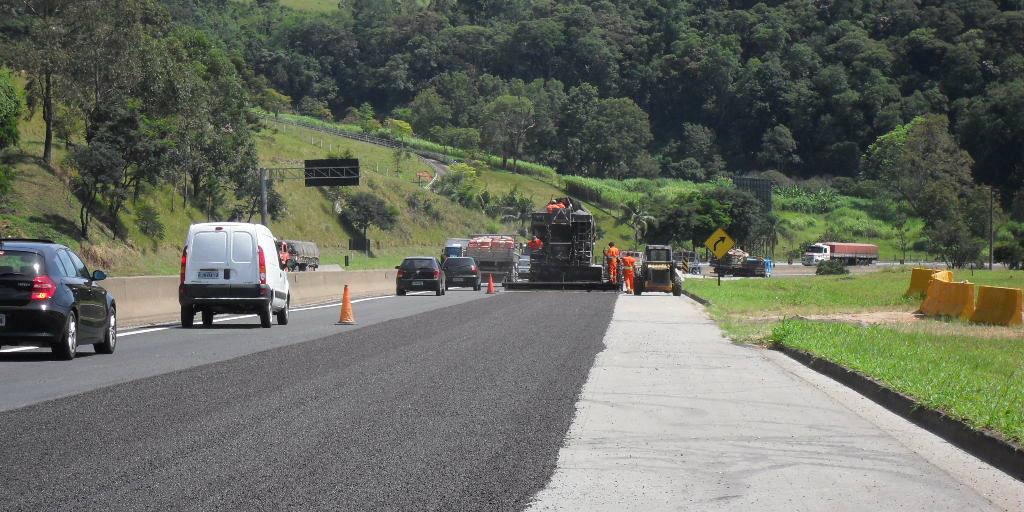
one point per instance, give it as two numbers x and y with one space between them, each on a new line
150 300
919 280
949 299
999 306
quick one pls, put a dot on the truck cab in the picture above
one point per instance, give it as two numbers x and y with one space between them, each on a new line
816 253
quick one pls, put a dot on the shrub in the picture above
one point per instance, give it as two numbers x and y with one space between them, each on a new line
147 220
831 268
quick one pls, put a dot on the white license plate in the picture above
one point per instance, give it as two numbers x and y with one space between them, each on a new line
417 283
209 275
3 320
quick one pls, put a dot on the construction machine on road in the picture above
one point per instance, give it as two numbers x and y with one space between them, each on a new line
659 272
566 262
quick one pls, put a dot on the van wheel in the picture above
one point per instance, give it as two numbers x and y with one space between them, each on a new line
187 316
207 318
67 345
282 316
265 316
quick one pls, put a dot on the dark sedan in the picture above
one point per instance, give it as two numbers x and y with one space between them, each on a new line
420 273
461 272
49 298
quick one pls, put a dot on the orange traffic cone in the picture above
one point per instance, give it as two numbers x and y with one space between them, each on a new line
346 317
490 284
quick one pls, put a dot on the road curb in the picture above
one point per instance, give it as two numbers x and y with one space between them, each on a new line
697 298
1002 454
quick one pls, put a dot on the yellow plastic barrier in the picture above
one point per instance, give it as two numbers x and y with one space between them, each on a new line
949 299
919 279
999 306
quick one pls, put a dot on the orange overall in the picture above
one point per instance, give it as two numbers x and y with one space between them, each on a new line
613 264
627 272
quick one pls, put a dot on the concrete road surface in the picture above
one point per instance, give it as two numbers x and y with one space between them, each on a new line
675 417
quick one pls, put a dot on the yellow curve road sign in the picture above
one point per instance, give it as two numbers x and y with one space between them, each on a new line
719 243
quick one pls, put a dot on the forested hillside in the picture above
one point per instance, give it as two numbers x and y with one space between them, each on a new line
652 87
865 114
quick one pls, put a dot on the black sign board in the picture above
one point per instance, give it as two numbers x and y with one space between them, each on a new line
761 188
332 172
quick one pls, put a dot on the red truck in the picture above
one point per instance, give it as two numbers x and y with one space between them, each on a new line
848 253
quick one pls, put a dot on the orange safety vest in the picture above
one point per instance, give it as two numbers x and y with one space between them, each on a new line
613 252
535 245
627 264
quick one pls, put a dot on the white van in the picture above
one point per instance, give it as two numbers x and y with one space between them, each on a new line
231 267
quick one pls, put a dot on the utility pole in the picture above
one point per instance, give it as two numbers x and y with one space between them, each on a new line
991 224
263 196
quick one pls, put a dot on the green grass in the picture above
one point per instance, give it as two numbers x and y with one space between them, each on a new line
978 380
972 372
747 308
41 206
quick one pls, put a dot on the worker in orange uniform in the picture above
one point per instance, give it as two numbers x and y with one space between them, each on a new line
554 206
612 255
535 245
627 272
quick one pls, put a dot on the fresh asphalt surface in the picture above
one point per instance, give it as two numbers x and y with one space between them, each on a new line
30 376
438 403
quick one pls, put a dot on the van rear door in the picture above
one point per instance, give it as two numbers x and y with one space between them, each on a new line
207 256
244 260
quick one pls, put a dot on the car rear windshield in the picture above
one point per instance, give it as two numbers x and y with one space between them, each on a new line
21 262
417 264
459 263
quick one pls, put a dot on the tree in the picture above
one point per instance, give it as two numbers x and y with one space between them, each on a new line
638 218
614 138
10 110
511 117
364 210
44 53
429 110
98 167
400 131
922 166
275 102
778 149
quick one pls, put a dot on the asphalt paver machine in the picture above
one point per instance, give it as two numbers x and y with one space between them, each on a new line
567 260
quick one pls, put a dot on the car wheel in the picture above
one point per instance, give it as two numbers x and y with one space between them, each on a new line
66 347
187 316
265 316
282 316
207 318
110 338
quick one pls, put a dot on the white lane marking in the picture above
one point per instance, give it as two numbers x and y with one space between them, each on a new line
242 317
18 349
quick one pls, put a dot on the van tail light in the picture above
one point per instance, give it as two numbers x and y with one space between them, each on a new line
263 267
184 260
43 288
437 274
401 273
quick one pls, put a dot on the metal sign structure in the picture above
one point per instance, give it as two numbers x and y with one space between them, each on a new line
329 172
719 243
760 188
332 172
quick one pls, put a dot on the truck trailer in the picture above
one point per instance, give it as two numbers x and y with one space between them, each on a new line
847 252
495 255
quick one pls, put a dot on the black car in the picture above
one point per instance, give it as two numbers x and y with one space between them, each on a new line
461 272
420 273
49 298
